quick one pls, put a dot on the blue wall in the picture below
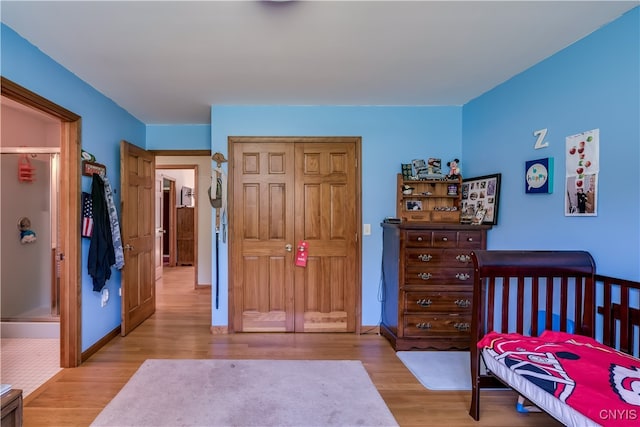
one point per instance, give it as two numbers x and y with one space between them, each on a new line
592 84
390 136
104 124
178 137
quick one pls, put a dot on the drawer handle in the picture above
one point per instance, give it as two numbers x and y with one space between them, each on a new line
469 239
423 325
424 302
462 276
424 257
419 239
464 303
444 239
424 276
462 326
463 258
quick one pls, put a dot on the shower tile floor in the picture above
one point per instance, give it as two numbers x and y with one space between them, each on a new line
28 363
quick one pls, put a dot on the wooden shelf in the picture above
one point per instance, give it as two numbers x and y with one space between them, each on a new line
430 200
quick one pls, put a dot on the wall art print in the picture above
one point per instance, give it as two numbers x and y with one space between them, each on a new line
538 176
582 168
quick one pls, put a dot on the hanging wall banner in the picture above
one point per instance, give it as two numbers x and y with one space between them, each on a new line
582 168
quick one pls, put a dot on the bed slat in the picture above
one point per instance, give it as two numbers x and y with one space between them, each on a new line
535 289
520 306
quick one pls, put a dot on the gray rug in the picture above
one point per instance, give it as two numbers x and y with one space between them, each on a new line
248 393
439 370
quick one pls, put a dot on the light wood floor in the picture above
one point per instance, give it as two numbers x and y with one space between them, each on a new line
180 329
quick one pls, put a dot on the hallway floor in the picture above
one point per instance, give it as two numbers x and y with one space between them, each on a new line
27 363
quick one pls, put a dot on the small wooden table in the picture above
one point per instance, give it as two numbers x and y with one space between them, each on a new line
12 408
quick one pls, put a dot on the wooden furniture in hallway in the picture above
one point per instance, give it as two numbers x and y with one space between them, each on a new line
185 235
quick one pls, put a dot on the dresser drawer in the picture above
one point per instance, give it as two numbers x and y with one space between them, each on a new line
445 239
416 325
418 238
426 275
437 302
425 257
471 239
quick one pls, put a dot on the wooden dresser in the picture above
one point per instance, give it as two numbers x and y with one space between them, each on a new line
185 235
428 278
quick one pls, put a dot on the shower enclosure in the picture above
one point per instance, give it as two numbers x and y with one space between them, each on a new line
29 278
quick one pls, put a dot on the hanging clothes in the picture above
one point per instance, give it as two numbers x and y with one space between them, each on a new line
87 215
101 253
115 225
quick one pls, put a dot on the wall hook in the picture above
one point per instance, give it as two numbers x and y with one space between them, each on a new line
218 158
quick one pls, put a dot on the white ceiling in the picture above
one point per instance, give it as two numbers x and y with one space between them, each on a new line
167 62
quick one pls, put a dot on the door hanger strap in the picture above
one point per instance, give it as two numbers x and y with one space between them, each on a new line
301 254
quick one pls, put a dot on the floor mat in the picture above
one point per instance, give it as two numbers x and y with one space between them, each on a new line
439 370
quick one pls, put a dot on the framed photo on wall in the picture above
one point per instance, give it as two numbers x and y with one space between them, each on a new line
482 194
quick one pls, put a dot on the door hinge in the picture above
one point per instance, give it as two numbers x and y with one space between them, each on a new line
356 237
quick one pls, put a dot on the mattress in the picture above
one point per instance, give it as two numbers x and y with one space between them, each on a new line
575 379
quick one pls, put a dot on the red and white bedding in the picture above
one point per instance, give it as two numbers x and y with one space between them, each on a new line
574 378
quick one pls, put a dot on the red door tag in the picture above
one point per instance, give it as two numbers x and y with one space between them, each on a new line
301 254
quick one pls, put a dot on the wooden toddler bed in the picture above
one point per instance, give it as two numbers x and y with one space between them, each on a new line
559 334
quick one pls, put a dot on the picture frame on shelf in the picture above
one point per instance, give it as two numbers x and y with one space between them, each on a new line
419 167
413 205
478 218
407 171
482 194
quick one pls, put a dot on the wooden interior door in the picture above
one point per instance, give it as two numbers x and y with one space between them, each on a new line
138 235
173 256
159 227
284 191
326 219
261 237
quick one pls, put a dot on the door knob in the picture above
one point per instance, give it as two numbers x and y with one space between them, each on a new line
128 247
288 247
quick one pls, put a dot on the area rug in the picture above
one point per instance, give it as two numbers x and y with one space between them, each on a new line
439 370
248 393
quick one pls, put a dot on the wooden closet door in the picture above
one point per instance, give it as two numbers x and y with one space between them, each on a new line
326 197
261 225
284 191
